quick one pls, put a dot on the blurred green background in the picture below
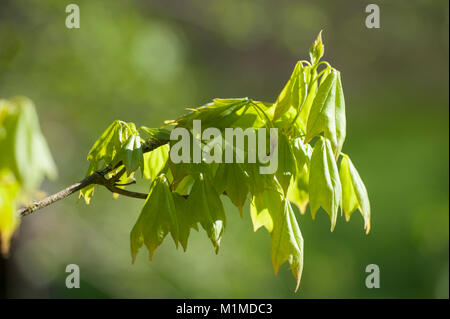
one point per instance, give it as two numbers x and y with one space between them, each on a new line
145 61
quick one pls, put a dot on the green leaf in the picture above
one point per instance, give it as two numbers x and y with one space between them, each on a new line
27 153
317 49
88 191
107 146
294 92
232 179
324 183
354 193
158 217
286 162
205 201
156 134
328 113
298 189
312 92
186 218
9 220
155 161
302 152
130 154
221 113
263 205
287 241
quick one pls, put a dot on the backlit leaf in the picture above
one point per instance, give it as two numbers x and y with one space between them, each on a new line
324 183
328 113
205 201
354 193
158 217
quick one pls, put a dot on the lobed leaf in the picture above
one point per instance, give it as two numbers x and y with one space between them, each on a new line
206 204
293 94
354 193
324 183
328 113
158 217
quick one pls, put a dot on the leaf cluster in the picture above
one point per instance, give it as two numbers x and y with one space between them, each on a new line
309 114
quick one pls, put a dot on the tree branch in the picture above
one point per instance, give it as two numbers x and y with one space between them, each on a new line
97 178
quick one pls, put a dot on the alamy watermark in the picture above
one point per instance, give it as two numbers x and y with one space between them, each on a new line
373 279
373 18
209 146
73 279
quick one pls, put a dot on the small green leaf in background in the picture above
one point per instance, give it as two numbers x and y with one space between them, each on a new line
324 183
354 193
158 217
24 147
9 220
25 160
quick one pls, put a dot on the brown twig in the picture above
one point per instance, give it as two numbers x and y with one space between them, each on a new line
97 178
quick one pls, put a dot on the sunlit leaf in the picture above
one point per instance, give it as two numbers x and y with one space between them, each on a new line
317 49
205 201
293 94
234 181
298 189
324 183
9 220
328 113
286 162
158 217
287 240
155 161
186 217
354 193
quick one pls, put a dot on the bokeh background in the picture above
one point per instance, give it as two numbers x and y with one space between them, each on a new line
145 61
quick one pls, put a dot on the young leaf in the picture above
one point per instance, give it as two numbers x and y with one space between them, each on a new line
232 179
263 205
298 189
328 113
205 201
158 217
111 142
156 134
286 162
186 219
155 161
317 49
9 220
221 113
293 94
302 153
88 191
287 241
130 154
324 183
27 152
354 193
